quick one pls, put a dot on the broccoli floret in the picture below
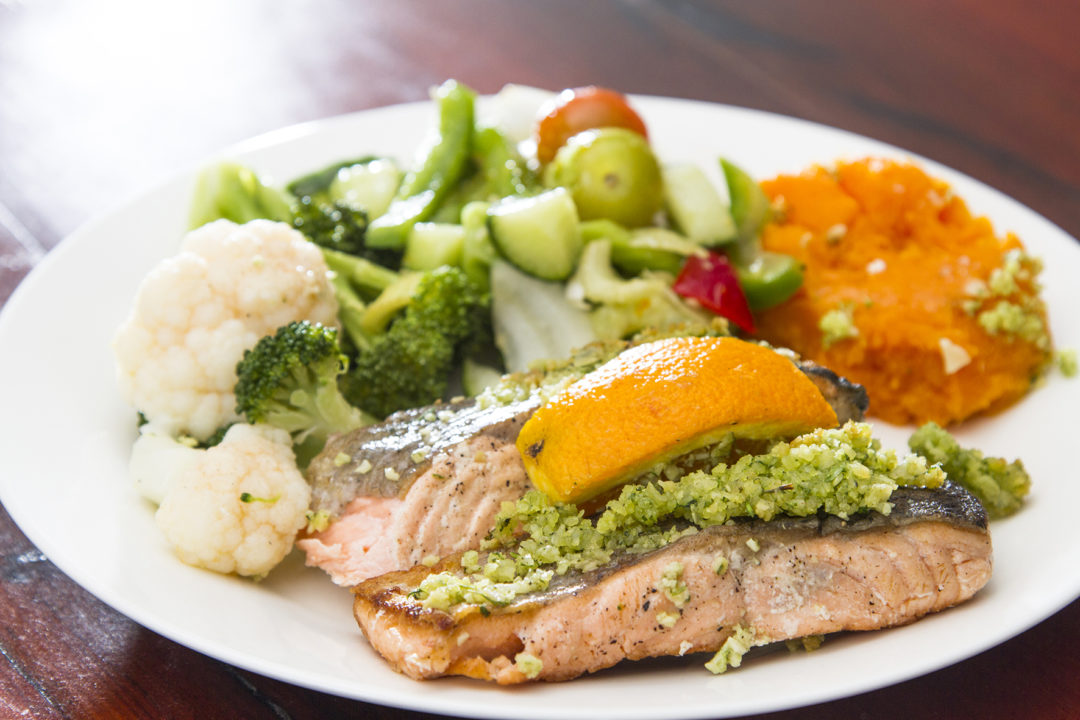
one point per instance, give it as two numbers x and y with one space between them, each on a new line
409 364
1000 486
334 225
289 380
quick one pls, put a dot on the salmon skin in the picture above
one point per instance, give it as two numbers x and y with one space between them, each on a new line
848 400
383 460
784 579
428 482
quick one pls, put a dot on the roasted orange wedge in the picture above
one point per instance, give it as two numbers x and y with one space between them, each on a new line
660 400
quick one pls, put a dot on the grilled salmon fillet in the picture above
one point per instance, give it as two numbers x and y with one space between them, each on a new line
426 482
429 481
786 578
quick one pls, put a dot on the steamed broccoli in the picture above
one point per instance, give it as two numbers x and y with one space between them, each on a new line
1000 486
409 364
338 226
289 380
334 225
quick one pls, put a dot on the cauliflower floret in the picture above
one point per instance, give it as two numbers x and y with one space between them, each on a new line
197 312
239 507
157 460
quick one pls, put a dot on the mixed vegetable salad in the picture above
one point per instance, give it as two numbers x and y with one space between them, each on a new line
462 260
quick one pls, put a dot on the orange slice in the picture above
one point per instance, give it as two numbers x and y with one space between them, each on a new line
660 400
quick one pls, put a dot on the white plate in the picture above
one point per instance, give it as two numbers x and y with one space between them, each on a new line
65 437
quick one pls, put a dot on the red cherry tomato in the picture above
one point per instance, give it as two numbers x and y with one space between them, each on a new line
582 109
710 280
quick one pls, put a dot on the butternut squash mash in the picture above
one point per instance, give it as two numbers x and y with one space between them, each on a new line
905 291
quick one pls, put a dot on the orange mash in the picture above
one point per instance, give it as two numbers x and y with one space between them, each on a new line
905 291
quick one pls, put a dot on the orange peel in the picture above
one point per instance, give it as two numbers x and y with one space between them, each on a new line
660 400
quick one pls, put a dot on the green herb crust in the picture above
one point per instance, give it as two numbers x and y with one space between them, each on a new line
840 471
999 485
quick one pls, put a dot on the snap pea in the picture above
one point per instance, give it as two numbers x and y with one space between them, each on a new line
494 171
442 161
499 164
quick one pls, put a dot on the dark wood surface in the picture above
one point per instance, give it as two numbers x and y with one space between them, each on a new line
99 99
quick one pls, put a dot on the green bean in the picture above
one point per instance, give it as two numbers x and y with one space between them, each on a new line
441 163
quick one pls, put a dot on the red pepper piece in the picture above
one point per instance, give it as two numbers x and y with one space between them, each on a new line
710 281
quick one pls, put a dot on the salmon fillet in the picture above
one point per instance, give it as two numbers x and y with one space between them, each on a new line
429 481
447 509
787 578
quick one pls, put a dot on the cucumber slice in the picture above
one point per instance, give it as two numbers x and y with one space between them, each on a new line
532 319
538 234
770 279
370 186
695 206
749 210
432 245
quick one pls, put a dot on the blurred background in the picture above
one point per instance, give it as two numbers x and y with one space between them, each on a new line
100 99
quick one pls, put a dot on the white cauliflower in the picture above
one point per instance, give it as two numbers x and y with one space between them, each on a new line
197 312
157 460
239 505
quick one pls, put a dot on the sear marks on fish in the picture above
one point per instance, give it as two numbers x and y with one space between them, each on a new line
808 576
386 486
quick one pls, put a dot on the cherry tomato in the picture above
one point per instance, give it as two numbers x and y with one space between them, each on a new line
711 281
582 109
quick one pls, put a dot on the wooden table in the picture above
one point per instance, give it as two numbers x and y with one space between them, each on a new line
99 99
